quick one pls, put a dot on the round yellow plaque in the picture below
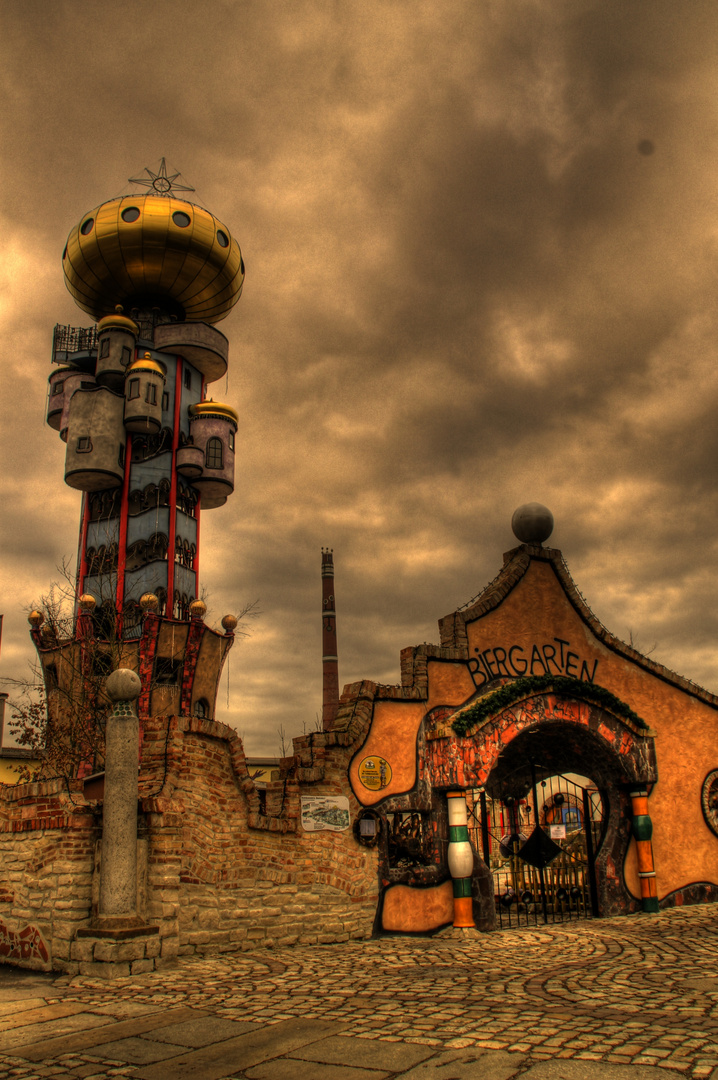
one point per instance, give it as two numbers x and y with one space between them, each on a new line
375 773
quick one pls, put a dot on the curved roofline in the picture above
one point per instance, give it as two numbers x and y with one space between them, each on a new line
516 563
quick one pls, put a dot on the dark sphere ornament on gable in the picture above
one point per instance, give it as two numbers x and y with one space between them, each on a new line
532 523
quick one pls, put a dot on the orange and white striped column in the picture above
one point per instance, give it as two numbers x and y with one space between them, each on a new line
461 859
642 828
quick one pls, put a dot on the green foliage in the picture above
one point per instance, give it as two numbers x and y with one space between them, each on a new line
520 688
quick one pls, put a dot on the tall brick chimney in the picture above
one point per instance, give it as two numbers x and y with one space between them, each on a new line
330 659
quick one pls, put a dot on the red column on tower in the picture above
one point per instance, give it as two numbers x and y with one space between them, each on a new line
330 659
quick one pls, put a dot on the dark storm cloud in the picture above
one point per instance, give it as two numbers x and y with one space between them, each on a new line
469 285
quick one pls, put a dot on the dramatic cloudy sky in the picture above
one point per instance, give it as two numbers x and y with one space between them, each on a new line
482 261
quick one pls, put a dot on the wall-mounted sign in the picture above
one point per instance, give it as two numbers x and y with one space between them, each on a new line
548 658
325 813
558 832
375 773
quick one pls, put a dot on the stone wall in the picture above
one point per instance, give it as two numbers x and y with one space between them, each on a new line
47 838
223 864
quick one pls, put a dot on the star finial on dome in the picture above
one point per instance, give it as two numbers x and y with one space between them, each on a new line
160 182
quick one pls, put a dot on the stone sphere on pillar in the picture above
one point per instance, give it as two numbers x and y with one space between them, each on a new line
123 685
532 523
229 623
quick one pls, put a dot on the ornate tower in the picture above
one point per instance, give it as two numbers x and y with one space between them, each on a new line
147 447
330 657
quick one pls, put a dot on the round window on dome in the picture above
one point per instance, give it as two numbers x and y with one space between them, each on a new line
222 238
241 265
86 226
64 254
130 214
181 219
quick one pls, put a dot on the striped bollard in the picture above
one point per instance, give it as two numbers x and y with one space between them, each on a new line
461 859
642 828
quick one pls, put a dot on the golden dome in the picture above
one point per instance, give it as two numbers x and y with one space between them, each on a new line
229 623
214 408
146 363
118 321
146 251
198 609
36 619
149 602
87 602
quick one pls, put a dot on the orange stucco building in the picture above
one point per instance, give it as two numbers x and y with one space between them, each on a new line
528 687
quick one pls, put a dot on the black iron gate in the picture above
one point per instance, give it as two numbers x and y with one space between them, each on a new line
541 849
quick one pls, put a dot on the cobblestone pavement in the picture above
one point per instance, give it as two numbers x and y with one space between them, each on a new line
615 998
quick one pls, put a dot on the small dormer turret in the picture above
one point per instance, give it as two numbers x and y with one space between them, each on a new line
213 428
116 342
95 455
144 385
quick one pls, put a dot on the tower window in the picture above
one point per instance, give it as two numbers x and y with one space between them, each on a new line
126 355
134 391
188 378
165 402
105 348
121 458
213 455
167 672
151 395
57 388
201 709
84 444
231 440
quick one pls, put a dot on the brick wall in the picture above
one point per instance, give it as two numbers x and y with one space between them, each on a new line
47 838
223 865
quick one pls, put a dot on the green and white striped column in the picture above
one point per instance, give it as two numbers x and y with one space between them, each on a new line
461 859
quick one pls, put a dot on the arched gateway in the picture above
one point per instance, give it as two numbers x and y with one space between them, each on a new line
533 764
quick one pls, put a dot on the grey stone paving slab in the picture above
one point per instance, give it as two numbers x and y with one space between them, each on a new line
19 1005
241 1053
364 1053
467 1065
202 1031
139 1051
51 1029
86 1040
572 1069
40 1014
129 1008
13 990
294 1069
